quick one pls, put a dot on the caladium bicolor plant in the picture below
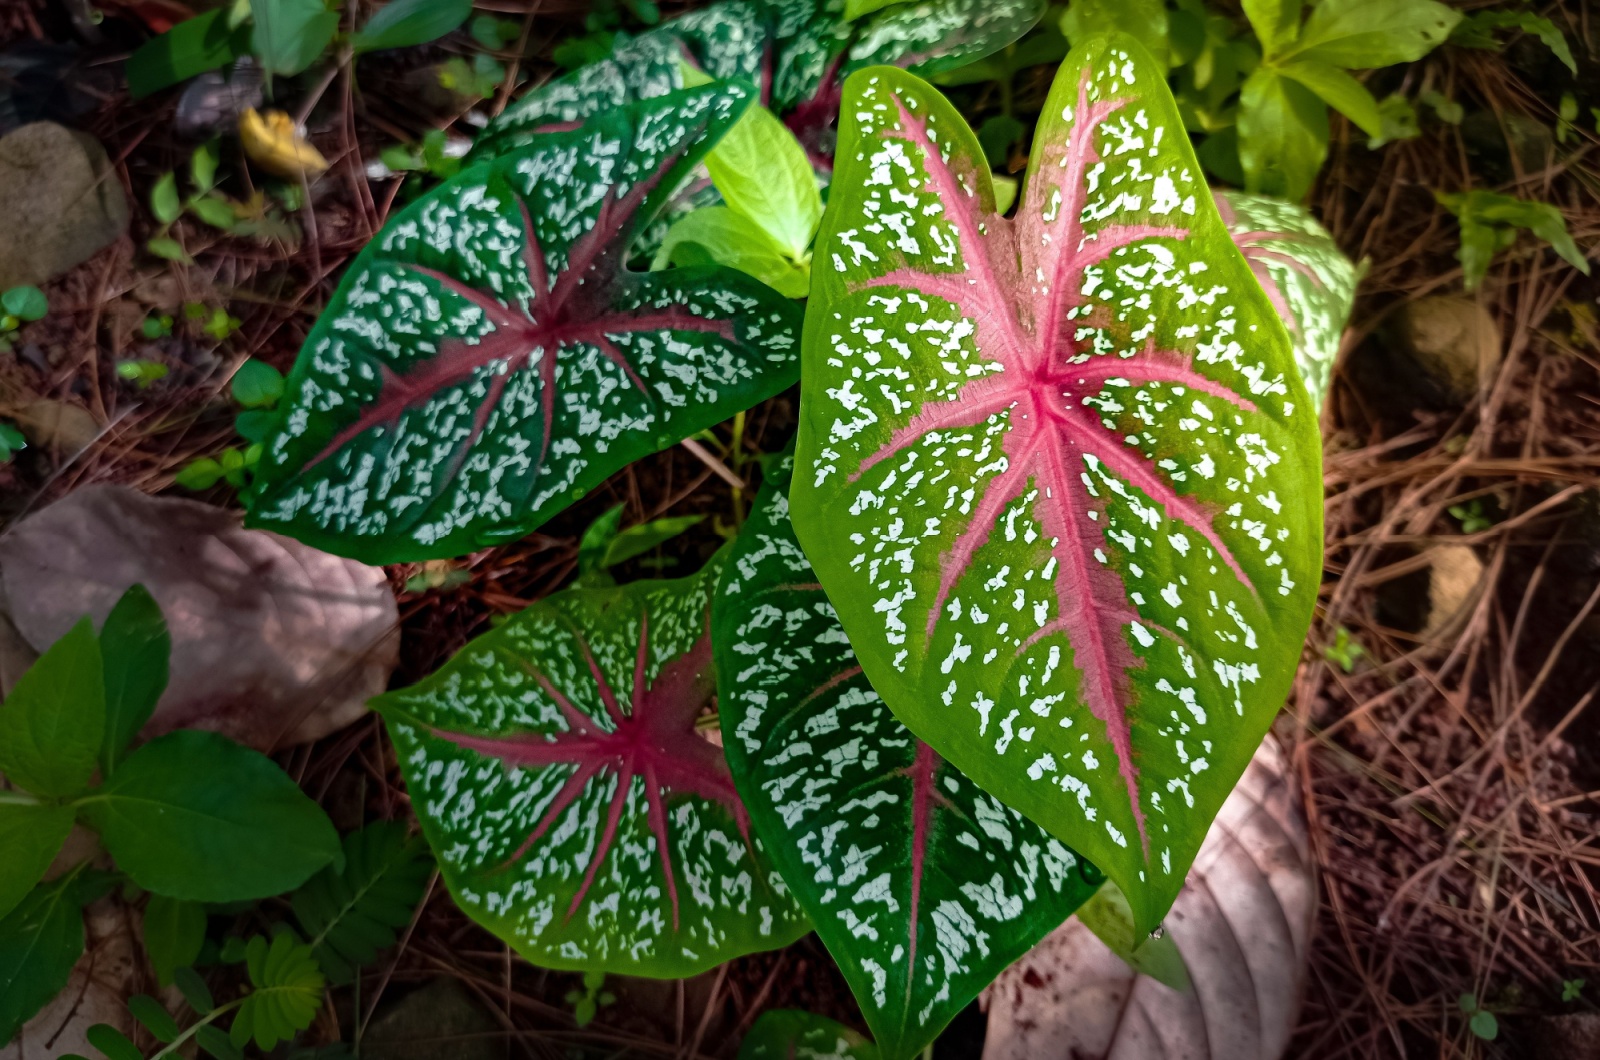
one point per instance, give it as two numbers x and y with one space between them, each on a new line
576 808
1059 475
1310 281
923 886
490 357
797 51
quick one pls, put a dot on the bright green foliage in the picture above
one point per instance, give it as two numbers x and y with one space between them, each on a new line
285 992
256 384
575 808
923 886
787 1034
11 440
40 940
1480 1021
407 23
30 835
1108 915
490 357
174 934
605 544
351 913
587 1003
1058 473
195 816
134 649
192 47
52 723
1308 278
24 302
1478 29
289 35
1489 224
1345 651
1143 20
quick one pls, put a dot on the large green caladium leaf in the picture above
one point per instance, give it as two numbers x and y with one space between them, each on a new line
797 51
1059 474
923 886
1309 279
576 810
490 357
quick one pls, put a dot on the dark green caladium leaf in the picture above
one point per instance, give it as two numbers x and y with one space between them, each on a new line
789 1034
923 886
575 808
1308 278
490 357
1059 474
797 51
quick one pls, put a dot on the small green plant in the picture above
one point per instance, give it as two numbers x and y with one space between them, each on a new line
18 306
1490 222
1480 1021
1345 651
203 202
257 387
605 544
1572 989
587 1003
141 374
481 77
1471 516
1478 30
156 327
429 156
11 440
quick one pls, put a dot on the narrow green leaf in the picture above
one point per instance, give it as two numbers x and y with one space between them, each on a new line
194 990
1276 23
203 167
1367 34
193 815
787 1034
53 722
718 235
25 302
1283 135
164 201
189 48
217 1043
40 940
30 836
407 23
637 540
1338 90
174 934
289 35
134 651
112 1042
154 1017
215 211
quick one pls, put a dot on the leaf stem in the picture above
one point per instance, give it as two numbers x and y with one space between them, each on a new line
172 1047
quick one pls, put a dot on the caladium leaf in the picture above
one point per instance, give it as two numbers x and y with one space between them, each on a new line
1308 278
489 357
923 886
789 1034
1061 479
576 811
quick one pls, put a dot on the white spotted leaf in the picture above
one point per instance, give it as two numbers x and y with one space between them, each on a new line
790 1034
575 809
1310 281
1059 474
490 357
922 886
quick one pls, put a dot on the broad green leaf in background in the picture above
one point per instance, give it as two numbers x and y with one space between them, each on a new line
193 815
718 235
174 934
289 35
285 992
1489 222
1058 473
1143 20
349 913
854 9
788 1034
1477 31
1310 281
407 23
1338 90
1283 134
577 813
1276 23
52 723
40 940
31 834
922 886
1367 34
460 391
134 651
764 175
192 47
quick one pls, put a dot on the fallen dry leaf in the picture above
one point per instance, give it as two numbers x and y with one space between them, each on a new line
272 143
1242 924
273 643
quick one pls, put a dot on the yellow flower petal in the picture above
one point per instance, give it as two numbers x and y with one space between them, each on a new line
272 143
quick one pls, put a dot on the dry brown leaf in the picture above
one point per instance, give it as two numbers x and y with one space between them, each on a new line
273 643
1242 924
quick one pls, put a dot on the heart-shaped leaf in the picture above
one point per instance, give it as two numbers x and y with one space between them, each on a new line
576 809
490 357
922 885
797 51
1059 475
1308 278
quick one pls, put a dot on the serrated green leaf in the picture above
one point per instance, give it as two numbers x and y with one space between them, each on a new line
1059 478
134 651
1311 283
154 1017
285 992
192 47
787 1034
718 235
40 940
31 835
289 35
193 815
901 861
576 811
1283 135
350 914
174 934
407 23
459 391
1366 34
53 722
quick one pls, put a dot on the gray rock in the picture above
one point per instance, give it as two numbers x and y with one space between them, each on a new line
1575 1036
441 1021
60 200
1455 341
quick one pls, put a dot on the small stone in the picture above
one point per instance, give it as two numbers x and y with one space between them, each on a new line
60 200
1575 1036
1455 341
441 1021
1454 573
